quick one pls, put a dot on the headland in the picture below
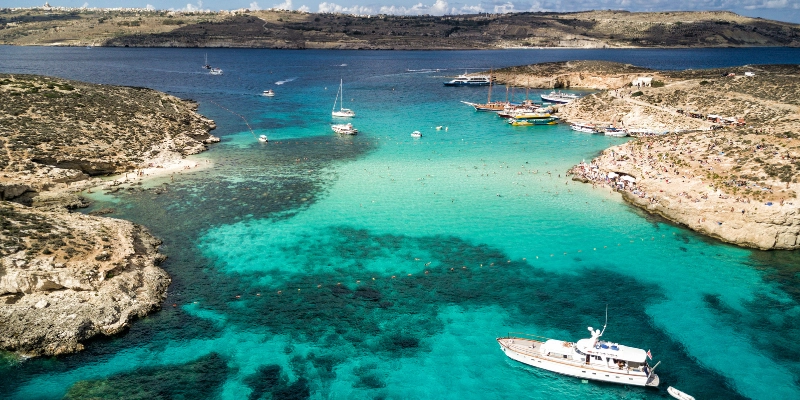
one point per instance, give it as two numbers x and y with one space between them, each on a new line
277 29
718 150
66 277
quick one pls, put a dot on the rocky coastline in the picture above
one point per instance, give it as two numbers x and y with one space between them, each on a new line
66 277
281 29
735 181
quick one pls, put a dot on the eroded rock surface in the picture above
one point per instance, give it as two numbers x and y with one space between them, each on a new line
65 277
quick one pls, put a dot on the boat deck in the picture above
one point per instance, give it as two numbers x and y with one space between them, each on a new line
525 346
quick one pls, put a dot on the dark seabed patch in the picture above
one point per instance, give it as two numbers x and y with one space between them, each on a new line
198 379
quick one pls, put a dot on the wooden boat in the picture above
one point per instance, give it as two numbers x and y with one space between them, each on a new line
678 394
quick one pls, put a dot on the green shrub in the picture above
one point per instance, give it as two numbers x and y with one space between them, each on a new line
657 84
637 94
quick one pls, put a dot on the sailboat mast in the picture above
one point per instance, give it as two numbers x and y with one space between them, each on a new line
341 90
489 100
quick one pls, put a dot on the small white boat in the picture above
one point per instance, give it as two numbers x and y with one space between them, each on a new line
678 394
466 80
612 130
268 93
560 97
586 359
581 127
341 112
416 134
344 129
215 71
263 139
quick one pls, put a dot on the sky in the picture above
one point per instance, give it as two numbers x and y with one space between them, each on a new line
781 10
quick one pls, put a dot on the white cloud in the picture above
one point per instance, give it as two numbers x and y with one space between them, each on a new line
439 7
465 9
85 5
504 8
304 8
150 7
335 8
771 4
286 5
254 6
191 7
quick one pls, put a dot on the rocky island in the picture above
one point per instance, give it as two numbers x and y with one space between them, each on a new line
302 30
718 150
66 277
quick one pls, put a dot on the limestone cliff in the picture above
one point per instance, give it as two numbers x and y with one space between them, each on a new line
66 277
55 132
729 167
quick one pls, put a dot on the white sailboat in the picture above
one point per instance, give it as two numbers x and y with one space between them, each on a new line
207 65
341 112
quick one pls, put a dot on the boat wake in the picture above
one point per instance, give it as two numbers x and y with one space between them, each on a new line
285 81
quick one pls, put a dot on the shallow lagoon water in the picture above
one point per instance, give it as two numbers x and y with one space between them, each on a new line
383 266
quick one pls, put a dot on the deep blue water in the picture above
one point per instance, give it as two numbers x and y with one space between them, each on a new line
382 266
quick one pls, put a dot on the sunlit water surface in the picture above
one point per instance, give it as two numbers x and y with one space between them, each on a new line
383 266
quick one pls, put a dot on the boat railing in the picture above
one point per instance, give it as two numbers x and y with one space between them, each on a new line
523 335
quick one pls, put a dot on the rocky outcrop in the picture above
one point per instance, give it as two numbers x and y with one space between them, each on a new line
772 227
687 197
733 181
67 277
55 133
600 75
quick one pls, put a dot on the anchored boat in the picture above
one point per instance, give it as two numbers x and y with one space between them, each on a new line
341 112
583 127
466 80
344 129
560 97
586 359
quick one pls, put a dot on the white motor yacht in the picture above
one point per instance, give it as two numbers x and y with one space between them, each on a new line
467 80
344 129
586 359
560 97
583 127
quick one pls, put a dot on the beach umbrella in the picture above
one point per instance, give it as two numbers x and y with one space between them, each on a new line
613 174
629 178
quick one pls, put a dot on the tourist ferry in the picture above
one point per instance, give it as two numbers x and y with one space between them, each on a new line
344 129
215 71
559 97
581 127
416 134
586 359
465 80
268 93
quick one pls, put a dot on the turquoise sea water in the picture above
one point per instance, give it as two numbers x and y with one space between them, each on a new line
383 266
